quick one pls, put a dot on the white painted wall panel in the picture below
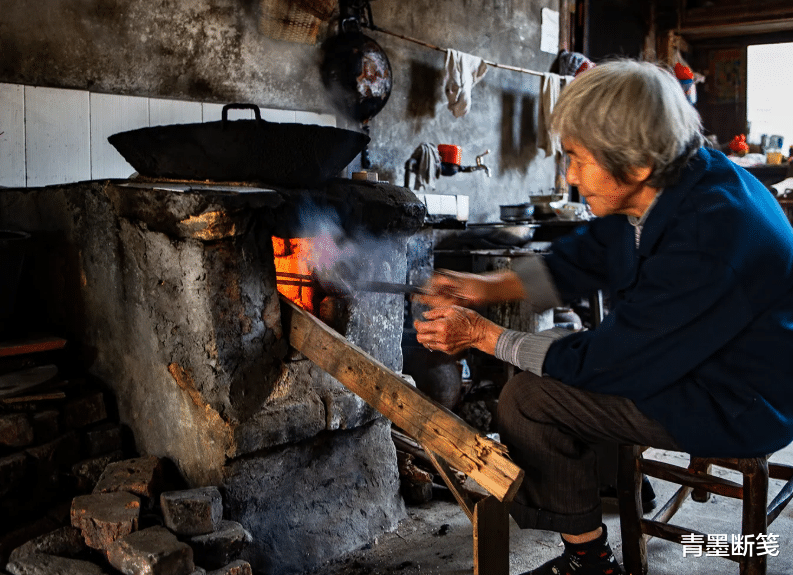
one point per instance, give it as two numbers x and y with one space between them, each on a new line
211 112
273 115
12 136
57 136
164 112
111 114
316 119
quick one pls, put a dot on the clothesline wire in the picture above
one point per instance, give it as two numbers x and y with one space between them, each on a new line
439 49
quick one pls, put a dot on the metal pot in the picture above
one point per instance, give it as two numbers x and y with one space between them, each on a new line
516 212
241 150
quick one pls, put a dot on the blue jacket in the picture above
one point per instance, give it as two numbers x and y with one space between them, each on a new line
700 329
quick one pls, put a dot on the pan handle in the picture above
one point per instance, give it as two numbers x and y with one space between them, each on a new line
227 107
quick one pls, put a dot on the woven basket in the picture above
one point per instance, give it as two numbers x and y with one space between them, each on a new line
291 21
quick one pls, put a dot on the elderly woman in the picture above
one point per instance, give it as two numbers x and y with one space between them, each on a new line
695 353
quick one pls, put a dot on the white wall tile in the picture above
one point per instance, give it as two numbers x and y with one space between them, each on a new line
165 112
281 116
12 135
111 114
211 112
57 136
316 119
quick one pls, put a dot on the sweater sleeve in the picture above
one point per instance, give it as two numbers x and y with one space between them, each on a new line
538 285
527 350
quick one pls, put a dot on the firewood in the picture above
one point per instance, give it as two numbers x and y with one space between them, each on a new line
435 427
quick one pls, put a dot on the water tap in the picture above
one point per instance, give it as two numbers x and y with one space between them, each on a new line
479 165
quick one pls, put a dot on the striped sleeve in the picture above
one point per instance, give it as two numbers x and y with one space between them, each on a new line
527 350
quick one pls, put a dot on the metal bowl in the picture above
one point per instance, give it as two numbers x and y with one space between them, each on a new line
505 234
516 212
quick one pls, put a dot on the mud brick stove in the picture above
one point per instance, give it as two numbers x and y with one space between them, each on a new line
169 291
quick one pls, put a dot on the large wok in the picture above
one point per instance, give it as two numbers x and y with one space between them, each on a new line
241 150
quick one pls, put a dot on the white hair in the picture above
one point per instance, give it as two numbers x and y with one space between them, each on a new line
630 114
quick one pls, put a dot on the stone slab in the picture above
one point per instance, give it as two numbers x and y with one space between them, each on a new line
43 564
235 568
88 471
85 411
12 472
66 541
356 469
141 476
45 425
224 545
104 439
105 517
15 430
153 551
192 511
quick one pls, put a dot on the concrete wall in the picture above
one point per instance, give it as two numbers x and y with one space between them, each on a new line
212 51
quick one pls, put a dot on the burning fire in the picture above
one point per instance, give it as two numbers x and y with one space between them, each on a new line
293 257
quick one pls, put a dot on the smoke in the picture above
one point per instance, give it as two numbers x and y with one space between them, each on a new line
341 258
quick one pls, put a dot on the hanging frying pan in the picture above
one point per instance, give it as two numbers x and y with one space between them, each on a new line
357 73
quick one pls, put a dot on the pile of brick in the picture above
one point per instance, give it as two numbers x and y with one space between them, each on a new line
129 525
55 440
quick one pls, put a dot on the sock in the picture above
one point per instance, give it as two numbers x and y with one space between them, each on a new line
593 553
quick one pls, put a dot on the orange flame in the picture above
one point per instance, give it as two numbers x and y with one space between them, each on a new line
292 256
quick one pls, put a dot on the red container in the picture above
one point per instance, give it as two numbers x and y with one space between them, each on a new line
450 154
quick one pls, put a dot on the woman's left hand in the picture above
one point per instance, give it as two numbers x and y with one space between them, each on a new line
454 329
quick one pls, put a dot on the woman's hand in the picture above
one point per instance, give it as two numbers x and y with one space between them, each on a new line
453 329
447 288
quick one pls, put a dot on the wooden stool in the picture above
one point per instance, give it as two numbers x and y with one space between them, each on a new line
757 515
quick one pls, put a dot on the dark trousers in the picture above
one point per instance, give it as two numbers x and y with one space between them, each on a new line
551 430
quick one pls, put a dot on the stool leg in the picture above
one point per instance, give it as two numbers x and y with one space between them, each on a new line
701 465
755 499
629 494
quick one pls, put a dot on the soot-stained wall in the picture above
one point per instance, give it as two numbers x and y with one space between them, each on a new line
212 50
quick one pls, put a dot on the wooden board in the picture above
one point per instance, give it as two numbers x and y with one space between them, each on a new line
432 425
33 345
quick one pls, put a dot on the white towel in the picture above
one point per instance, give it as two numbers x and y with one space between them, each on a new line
426 165
549 93
463 71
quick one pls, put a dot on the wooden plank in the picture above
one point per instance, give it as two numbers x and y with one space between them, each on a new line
57 136
12 136
33 398
21 347
491 537
111 114
451 482
432 425
165 112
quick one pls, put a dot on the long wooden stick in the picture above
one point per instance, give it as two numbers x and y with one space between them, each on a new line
432 425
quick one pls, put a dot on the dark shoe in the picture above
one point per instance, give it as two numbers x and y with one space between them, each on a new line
593 558
648 494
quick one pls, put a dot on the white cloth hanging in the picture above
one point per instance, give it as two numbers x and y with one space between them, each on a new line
549 93
463 71
425 163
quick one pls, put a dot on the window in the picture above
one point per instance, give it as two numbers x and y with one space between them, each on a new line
769 87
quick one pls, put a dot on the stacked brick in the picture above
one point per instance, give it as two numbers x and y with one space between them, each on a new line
129 525
55 440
